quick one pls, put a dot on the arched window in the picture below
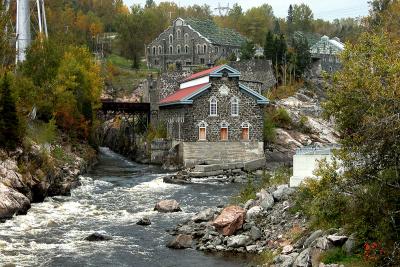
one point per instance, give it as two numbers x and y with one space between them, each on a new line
178 34
245 131
224 131
213 107
171 38
198 49
186 49
171 50
178 49
204 48
202 131
235 106
186 38
160 50
154 50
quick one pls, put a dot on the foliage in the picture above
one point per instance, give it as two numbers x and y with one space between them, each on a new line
247 50
284 91
281 117
264 258
339 256
303 125
6 49
160 131
9 125
248 192
41 132
269 131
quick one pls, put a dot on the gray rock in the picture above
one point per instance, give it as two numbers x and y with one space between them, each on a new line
251 248
287 249
181 242
255 233
321 243
282 192
267 201
248 225
337 240
312 237
350 245
303 259
144 221
169 205
238 241
204 215
250 203
254 212
12 202
97 237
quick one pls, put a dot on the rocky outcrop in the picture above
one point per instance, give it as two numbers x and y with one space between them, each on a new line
230 220
169 205
37 172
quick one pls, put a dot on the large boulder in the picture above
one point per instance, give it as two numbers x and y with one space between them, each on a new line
230 220
304 259
282 192
312 237
238 241
144 221
12 202
267 201
181 241
337 240
169 205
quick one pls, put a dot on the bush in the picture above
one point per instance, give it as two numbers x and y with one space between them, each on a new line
269 130
339 256
42 133
282 118
303 125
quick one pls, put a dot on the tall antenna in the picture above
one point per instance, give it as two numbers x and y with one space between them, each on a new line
223 10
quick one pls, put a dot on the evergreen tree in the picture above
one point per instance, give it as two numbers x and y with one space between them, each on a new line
290 20
247 50
302 55
9 125
277 27
281 49
269 46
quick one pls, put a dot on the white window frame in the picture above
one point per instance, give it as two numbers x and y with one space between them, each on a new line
154 50
204 48
213 101
235 105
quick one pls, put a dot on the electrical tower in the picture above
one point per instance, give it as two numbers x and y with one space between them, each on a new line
223 10
23 35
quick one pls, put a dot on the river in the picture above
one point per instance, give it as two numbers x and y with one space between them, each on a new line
112 197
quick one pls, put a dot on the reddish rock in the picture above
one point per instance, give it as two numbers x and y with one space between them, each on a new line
230 220
169 205
180 242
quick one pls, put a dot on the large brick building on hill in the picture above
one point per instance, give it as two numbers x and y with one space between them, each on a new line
189 42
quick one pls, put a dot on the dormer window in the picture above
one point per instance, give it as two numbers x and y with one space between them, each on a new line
213 106
235 106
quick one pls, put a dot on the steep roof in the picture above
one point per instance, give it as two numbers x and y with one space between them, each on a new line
327 46
216 35
201 74
182 94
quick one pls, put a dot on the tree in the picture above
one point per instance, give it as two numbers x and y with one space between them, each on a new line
302 18
290 20
269 46
302 55
9 125
247 50
277 27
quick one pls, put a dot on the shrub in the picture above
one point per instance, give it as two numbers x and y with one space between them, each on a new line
282 118
339 256
269 130
303 125
42 133
247 193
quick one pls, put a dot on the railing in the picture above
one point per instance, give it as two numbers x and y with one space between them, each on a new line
326 150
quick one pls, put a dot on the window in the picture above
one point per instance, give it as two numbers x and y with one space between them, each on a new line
202 61
186 37
202 131
154 50
160 50
235 106
188 63
213 107
245 131
224 131
216 49
178 34
171 38
198 49
204 49
178 49
171 50
186 49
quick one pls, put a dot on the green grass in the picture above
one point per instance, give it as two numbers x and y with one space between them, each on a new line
339 256
120 61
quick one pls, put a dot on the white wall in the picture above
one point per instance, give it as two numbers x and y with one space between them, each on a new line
304 166
202 80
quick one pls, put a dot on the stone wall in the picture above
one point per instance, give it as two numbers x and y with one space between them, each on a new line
220 152
254 72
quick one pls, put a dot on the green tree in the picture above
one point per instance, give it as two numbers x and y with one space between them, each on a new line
289 20
9 125
269 46
302 18
302 56
247 50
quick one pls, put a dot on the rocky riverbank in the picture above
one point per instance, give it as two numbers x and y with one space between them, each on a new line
266 224
33 172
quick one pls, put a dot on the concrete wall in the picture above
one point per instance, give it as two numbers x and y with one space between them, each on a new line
220 152
304 166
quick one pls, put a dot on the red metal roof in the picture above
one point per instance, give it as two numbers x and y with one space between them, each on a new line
181 94
201 74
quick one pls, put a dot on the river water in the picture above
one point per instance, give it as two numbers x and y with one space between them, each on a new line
113 196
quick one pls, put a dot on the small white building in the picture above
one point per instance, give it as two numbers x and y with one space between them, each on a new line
306 160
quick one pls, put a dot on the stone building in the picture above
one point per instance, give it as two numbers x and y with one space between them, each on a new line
213 117
191 42
325 55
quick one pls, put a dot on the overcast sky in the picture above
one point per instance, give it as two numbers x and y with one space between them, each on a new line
325 9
